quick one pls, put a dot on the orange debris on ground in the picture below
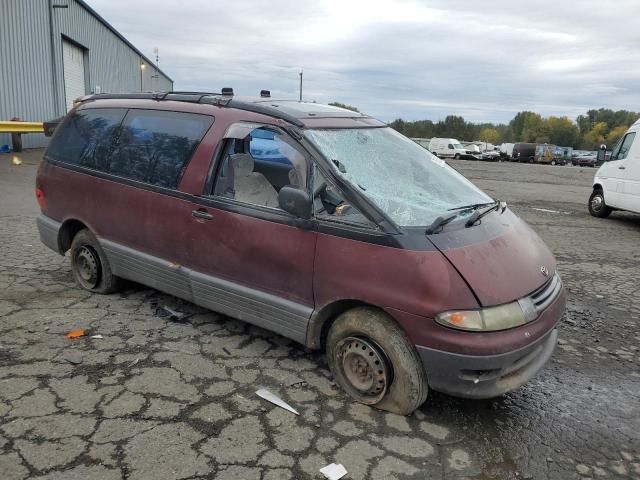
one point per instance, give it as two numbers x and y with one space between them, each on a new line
75 333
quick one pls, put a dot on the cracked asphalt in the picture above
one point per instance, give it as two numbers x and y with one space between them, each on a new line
160 397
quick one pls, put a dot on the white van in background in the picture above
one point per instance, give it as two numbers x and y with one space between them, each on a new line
616 185
507 149
447 147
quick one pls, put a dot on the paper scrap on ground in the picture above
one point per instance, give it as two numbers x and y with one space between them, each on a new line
334 471
75 333
270 397
97 336
172 312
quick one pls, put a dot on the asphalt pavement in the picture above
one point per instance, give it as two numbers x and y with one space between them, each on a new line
158 397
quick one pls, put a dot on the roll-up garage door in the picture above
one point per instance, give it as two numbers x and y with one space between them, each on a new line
73 62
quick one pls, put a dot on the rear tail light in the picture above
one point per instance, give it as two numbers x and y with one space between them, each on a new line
40 198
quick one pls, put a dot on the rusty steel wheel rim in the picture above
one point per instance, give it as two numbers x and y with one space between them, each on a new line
87 267
365 368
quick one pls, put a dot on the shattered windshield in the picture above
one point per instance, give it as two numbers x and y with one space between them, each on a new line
403 179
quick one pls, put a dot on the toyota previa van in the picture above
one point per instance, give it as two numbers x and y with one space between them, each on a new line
318 223
616 185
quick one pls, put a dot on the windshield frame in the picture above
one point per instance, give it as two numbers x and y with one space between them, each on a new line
364 202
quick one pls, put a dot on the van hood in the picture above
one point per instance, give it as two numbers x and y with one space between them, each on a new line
502 259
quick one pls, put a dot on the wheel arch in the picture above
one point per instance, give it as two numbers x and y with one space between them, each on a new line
68 230
321 320
598 187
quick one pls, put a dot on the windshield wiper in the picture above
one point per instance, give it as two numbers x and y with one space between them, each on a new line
473 206
440 222
477 215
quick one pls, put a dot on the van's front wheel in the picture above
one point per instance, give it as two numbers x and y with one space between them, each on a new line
372 359
90 266
597 206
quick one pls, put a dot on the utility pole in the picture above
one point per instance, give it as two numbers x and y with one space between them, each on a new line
300 85
157 74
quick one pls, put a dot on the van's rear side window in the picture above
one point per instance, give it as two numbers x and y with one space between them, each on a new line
86 138
154 146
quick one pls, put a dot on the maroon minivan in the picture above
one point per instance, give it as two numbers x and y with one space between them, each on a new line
318 223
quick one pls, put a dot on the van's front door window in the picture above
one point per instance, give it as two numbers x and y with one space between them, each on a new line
622 149
256 166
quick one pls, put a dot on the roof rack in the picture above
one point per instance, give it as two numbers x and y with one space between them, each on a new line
216 99
192 97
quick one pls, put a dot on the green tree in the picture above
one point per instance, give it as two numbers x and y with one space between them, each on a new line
616 134
534 129
490 135
344 105
517 125
596 135
453 126
562 131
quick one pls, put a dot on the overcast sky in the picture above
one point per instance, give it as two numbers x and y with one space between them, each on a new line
411 59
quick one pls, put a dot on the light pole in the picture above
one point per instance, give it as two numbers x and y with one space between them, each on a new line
300 85
142 67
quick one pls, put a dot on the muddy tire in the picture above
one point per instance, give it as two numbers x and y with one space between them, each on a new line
374 361
597 206
90 266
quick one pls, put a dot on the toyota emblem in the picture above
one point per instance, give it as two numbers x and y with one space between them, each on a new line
544 271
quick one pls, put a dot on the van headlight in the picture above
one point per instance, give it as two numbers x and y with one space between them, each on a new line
490 319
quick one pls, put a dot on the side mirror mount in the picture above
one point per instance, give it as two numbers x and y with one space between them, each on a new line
296 202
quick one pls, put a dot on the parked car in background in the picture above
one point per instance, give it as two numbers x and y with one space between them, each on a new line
471 148
553 154
585 159
405 273
447 148
488 151
616 185
524 152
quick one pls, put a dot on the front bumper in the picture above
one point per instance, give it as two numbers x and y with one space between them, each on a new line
487 376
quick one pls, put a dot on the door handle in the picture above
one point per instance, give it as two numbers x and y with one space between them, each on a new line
202 213
621 167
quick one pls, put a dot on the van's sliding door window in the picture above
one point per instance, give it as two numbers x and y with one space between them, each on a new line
154 146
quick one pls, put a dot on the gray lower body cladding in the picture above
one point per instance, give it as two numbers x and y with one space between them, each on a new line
238 301
251 305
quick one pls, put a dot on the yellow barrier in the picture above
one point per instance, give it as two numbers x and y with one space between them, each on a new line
21 127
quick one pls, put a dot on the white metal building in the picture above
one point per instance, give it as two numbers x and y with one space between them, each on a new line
53 51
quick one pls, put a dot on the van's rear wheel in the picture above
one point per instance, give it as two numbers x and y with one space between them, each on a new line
457 156
372 359
597 206
90 266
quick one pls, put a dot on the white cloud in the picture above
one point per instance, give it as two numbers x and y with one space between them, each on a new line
399 58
